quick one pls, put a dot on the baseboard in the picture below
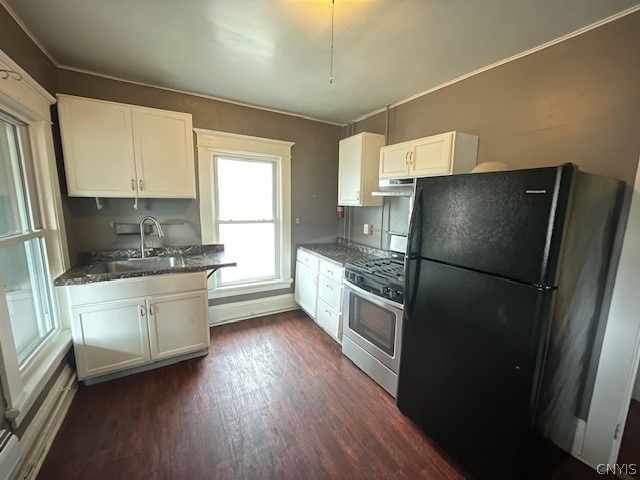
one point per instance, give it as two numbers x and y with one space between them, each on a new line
145 368
234 312
578 437
578 441
42 430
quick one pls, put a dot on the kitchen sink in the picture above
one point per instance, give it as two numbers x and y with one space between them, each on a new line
137 264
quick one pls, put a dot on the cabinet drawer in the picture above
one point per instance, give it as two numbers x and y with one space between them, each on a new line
331 270
329 320
329 292
308 259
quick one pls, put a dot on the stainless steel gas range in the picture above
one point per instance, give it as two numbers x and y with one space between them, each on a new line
372 306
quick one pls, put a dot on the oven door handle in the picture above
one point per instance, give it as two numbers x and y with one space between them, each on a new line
414 252
372 296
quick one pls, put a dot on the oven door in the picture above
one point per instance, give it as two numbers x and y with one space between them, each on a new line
374 324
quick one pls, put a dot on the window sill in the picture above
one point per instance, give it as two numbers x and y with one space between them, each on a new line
258 287
37 375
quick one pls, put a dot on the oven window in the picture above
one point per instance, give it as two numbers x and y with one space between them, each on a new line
372 322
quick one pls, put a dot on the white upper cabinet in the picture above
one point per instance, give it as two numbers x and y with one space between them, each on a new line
163 144
394 160
117 150
97 138
358 169
444 154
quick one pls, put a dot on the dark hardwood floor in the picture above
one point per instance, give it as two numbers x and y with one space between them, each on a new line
275 398
630 446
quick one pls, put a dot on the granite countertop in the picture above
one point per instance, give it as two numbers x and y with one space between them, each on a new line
343 251
197 258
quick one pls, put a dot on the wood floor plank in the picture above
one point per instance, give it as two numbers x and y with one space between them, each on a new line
275 398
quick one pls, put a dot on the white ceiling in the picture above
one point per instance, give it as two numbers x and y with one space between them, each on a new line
275 53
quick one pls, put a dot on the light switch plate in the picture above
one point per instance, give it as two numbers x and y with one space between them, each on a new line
368 229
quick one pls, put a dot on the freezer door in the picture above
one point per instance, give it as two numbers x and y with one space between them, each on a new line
471 353
506 223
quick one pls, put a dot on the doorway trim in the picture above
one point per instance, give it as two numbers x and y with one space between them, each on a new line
620 355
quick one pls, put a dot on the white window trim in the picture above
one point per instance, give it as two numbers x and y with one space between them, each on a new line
30 102
212 143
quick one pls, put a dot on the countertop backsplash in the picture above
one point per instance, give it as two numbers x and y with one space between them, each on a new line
392 216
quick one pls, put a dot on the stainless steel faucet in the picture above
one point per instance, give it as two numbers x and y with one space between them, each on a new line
158 228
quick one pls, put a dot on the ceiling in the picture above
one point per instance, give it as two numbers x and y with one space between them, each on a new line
276 53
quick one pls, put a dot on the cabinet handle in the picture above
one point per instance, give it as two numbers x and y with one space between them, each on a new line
327 312
410 158
151 308
133 185
315 281
329 287
143 310
358 195
330 272
141 184
406 158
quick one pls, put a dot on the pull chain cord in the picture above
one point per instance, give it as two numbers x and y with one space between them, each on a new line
333 21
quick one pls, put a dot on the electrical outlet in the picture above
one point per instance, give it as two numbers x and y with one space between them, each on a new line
368 229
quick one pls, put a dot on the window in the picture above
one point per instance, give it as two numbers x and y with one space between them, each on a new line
245 205
24 269
246 210
34 338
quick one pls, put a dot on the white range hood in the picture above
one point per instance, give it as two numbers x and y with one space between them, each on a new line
396 187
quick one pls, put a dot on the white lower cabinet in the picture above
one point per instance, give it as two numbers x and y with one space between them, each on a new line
169 337
306 288
319 291
110 337
127 323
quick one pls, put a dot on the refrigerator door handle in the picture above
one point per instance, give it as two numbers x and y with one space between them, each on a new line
414 250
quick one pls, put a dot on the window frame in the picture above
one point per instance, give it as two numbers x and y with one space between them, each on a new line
30 104
212 144
32 231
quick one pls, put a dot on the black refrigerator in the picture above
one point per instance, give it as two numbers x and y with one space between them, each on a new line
505 299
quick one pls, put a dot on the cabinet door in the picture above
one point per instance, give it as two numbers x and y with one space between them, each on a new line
97 140
350 170
178 324
164 154
306 288
110 336
431 156
394 161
